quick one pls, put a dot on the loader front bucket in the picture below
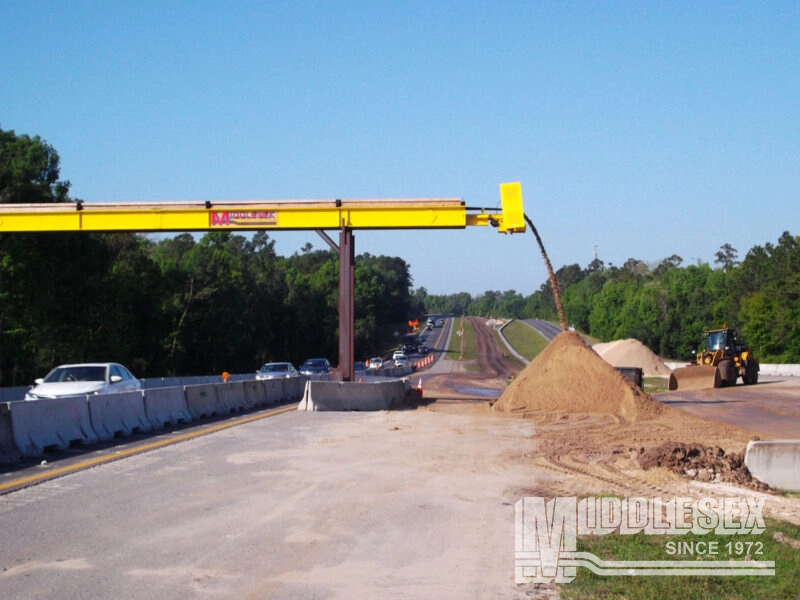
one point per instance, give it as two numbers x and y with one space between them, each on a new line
695 377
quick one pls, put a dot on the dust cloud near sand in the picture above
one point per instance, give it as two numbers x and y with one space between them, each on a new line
569 378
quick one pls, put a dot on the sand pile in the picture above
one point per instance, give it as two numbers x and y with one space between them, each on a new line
568 377
632 353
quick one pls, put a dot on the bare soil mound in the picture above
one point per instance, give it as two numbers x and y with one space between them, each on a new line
568 377
700 462
632 353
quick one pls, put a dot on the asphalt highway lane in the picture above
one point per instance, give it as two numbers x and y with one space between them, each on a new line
546 329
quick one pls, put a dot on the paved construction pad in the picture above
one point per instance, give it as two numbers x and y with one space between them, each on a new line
306 505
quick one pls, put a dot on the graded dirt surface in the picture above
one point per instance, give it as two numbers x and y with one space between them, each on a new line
596 433
491 370
771 408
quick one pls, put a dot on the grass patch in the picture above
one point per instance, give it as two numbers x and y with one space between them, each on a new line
784 584
653 385
465 349
524 339
506 354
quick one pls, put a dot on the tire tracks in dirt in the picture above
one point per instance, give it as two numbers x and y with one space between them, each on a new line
489 356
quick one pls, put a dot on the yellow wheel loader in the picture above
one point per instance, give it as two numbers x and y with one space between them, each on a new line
724 359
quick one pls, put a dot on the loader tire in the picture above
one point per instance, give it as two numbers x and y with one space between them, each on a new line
727 373
750 373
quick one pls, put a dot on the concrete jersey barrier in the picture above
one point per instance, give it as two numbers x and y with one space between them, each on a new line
293 389
118 414
202 401
166 406
13 394
230 397
779 370
41 424
29 428
775 462
274 391
336 395
8 449
287 389
254 393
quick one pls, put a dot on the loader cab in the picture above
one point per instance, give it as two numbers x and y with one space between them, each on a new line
726 340
717 340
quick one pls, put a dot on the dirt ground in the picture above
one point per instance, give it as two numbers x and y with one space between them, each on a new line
673 453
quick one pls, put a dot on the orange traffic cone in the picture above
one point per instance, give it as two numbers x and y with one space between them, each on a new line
419 387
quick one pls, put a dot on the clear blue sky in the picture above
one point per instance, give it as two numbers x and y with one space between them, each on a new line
645 129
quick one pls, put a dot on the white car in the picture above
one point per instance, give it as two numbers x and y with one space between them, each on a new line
374 363
401 361
83 379
397 354
279 370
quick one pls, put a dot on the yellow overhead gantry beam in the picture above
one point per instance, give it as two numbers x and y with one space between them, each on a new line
443 213
344 215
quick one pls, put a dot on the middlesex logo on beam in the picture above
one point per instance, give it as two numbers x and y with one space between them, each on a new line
255 218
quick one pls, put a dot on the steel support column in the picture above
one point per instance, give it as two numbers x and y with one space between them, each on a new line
347 282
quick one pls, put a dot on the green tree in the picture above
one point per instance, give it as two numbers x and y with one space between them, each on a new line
418 301
579 298
769 283
606 317
267 316
216 330
485 304
454 304
726 257
133 286
178 293
29 170
671 262
511 305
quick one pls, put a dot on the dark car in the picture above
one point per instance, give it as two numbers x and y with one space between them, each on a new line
315 366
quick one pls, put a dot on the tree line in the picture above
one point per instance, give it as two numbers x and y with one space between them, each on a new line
668 306
181 305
